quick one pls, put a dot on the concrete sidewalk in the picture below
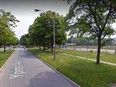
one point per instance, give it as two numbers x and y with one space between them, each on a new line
25 70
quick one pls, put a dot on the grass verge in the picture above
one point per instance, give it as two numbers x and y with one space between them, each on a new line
4 57
83 72
104 56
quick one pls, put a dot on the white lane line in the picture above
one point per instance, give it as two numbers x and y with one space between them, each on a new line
18 70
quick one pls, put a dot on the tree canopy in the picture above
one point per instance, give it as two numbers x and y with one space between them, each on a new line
7 22
41 31
93 17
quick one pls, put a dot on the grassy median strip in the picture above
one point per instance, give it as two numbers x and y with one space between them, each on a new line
4 57
83 72
107 57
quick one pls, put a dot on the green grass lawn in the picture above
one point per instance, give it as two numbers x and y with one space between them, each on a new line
104 56
83 72
4 57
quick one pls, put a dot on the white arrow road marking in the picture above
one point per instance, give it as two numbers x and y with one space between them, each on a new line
18 70
15 76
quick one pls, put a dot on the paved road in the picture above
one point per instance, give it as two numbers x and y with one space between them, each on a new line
25 70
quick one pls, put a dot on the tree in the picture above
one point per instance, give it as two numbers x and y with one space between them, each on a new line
41 31
7 21
95 18
7 37
24 40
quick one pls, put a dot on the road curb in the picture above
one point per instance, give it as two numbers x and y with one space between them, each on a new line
66 78
69 80
7 61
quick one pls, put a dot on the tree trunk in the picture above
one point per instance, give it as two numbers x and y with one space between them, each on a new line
4 48
75 47
39 47
51 47
87 45
98 50
44 48
9 47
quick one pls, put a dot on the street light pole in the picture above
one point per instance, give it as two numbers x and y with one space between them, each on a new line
54 38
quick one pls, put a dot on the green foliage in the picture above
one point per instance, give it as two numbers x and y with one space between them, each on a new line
82 41
107 41
41 31
24 40
7 21
93 17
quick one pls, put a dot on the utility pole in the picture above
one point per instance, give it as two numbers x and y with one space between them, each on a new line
54 39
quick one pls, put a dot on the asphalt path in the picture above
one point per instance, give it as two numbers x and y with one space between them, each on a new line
25 70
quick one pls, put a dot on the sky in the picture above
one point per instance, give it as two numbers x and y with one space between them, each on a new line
23 10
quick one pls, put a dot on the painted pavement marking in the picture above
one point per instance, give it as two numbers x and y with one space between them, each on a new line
18 70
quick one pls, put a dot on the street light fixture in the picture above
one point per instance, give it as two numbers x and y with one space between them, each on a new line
54 38
37 10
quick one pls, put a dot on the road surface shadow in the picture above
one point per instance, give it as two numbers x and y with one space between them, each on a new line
48 79
26 54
